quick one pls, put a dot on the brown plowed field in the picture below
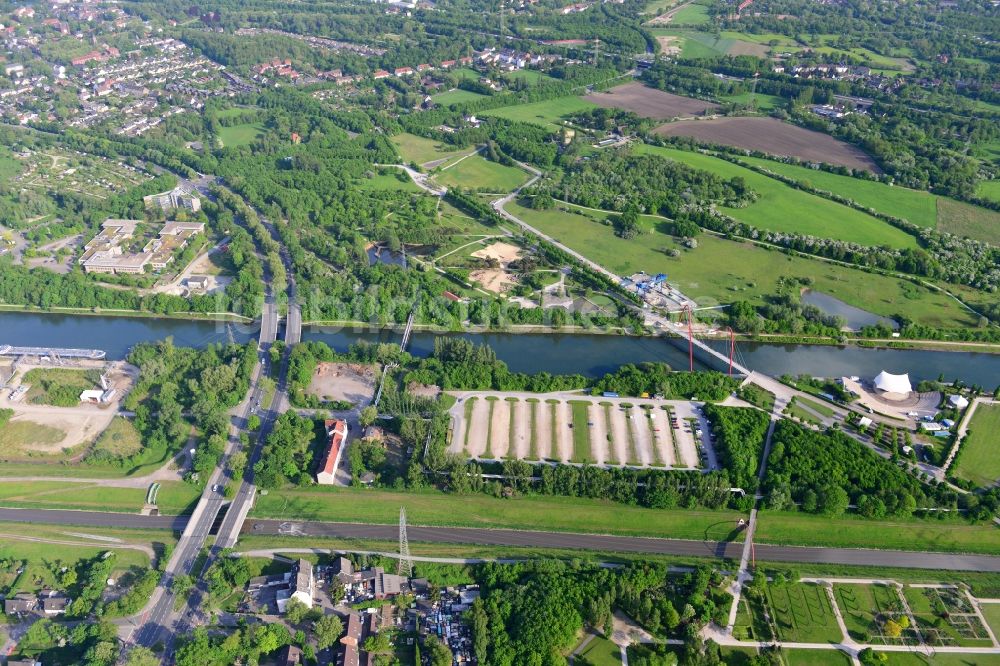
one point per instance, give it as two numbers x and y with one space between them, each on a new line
772 136
650 102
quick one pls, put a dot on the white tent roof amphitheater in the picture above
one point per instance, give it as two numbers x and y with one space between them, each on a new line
893 383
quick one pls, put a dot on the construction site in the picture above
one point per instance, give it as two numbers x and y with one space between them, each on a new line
59 399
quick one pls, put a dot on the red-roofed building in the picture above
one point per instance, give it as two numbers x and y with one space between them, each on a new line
404 71
337 432
381 74
446 64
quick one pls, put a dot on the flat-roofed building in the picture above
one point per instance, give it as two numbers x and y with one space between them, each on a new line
174 199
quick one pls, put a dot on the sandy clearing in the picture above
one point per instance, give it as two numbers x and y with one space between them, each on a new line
500 429
772 136
78 427
479 428
564 435
664 442
521 437
543 430
502 252
649 102
352 382
459 427
497 281
598 433
619 435
641 436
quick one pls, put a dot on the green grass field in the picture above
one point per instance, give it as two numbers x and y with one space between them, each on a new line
815 658
120 439
989 189
693 14
41 558
455 96
766 39
941 659
20 438
391 180
581 432
859 604
762 101
802 613
417 149
992 614
477 172
913 205
962 219
979 461
174 498
240 135
548 114
601 652
562 514
802 529
723 271
784 208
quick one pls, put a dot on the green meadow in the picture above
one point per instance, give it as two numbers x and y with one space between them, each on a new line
781 207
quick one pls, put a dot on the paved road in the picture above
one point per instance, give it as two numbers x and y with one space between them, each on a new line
488 537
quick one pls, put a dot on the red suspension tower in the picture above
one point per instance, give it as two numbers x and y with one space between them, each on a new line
732 349
687 309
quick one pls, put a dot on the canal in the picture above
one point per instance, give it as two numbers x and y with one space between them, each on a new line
589 355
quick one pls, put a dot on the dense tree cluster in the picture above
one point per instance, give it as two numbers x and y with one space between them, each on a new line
619 179
826 472
175 381
658 378
287 455
739 441
529 613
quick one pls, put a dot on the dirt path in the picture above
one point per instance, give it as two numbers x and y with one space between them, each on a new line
619 435
521 437
479 428
500 429
664 442
564 436
598 433
543 429
641 436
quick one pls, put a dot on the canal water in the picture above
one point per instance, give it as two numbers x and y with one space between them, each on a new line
589 355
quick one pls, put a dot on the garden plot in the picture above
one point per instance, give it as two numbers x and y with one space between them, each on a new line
59 170
570 428
867 611
946 615
802 612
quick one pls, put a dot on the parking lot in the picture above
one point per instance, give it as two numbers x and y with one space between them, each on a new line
576 428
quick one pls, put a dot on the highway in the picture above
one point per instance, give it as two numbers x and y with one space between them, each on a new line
533 539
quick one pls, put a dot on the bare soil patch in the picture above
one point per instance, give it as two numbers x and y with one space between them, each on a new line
619 435
353 382
497 281
668 44
650 102
520 441
598 434
748 48
502 252
772 136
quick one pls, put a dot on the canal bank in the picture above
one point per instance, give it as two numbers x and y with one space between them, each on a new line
557 353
